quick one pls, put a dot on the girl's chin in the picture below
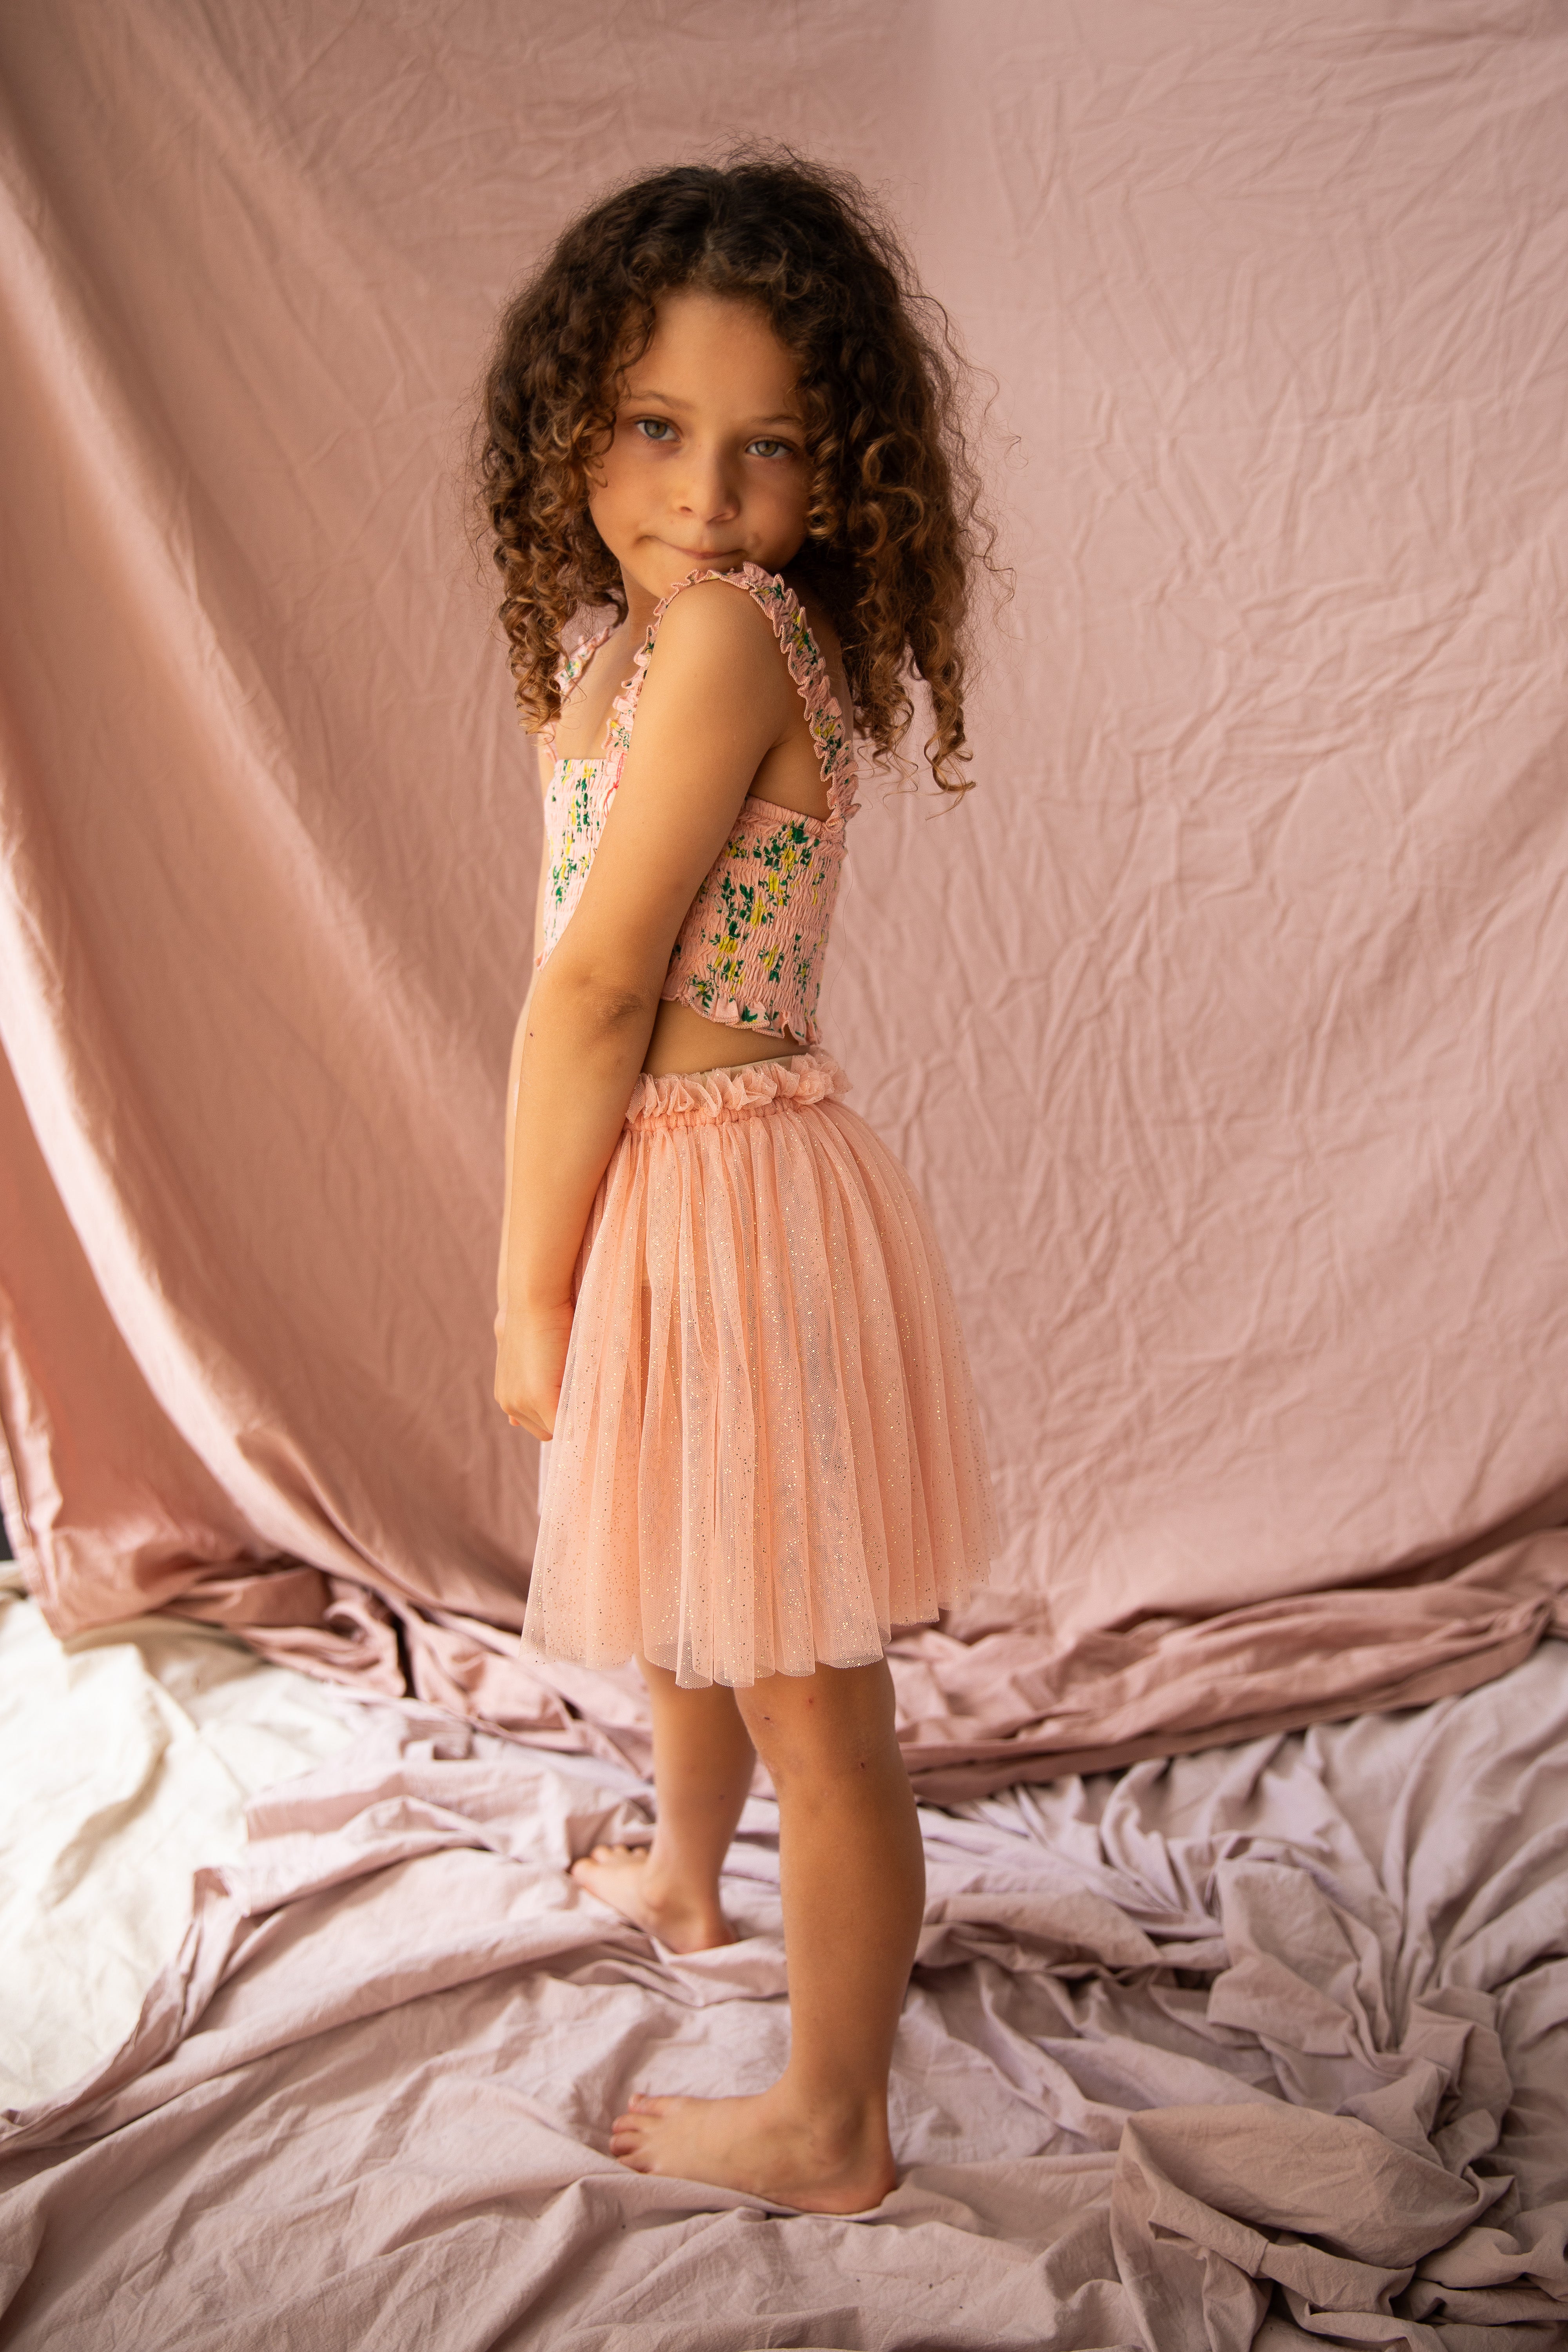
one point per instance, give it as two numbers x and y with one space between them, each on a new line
657 578
678 561
657 568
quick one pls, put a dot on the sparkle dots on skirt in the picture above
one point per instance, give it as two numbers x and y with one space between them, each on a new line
766 1453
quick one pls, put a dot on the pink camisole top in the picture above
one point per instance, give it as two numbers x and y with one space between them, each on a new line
751 949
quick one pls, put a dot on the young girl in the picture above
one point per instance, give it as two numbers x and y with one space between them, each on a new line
715 412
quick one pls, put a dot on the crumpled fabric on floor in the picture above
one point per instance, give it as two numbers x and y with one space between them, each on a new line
1268 2043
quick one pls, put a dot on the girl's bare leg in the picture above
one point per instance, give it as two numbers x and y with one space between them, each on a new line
854 1896
702 1760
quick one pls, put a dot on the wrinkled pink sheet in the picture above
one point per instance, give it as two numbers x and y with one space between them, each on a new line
1268 2044
1221 1026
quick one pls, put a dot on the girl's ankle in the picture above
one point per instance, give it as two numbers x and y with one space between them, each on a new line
674 1877
846 2118
681 1896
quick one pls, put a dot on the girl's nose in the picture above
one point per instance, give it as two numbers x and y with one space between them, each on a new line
709 492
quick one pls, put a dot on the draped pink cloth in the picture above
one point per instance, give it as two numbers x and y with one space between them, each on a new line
1221 1027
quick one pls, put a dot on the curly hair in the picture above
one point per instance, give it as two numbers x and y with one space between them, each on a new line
894 530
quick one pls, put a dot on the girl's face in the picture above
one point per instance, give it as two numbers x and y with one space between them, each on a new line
707 465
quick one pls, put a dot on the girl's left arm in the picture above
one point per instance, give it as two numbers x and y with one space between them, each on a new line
713 705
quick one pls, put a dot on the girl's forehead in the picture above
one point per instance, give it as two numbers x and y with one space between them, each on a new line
691 317
712 346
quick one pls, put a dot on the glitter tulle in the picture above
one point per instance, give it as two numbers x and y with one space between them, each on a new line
766 1453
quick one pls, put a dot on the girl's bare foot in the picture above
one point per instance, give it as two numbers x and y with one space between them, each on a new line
771 2147
628 1878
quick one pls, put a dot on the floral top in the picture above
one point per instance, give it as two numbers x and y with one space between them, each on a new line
750 951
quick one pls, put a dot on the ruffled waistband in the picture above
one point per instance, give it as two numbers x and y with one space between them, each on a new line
700 1098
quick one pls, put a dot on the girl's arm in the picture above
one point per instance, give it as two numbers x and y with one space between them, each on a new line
517 1054
716 700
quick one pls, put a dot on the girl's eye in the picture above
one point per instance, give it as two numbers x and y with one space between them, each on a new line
655 428
773 448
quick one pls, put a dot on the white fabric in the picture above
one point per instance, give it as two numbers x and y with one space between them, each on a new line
127 1758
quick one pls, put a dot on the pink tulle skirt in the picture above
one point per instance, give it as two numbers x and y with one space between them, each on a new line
766 1453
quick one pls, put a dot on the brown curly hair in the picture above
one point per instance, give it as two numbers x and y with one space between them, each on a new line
894 531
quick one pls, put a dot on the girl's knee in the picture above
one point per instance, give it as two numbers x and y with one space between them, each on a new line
823 1725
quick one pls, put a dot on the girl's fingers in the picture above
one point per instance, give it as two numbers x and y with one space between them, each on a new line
533 1424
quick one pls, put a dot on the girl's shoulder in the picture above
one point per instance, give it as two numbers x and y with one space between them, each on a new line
707 645
756 618
716 610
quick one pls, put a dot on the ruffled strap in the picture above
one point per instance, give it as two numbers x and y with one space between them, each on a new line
572 669
824 714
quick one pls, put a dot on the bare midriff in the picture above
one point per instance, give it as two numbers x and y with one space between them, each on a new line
684 1041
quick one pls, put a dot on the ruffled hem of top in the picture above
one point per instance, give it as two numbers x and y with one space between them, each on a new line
811 677
727 1012
702 1098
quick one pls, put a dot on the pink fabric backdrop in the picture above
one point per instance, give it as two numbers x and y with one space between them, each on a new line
1221 1026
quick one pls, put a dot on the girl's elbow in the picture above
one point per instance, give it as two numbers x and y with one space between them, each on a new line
601 1001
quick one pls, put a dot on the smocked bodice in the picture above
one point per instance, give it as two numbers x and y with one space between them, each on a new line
750 951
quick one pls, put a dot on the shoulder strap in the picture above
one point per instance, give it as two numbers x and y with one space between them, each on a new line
575 662
834 745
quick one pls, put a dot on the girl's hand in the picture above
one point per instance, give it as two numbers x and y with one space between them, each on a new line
530 1357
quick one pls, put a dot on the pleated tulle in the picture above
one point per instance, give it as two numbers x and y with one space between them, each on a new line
766 1453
